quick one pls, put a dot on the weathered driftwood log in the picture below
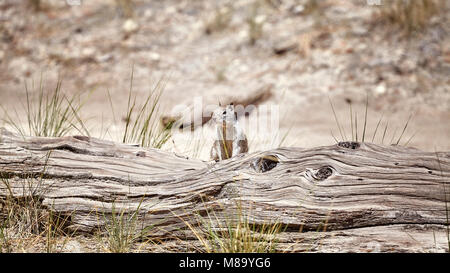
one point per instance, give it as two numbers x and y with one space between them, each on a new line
360 196
195 120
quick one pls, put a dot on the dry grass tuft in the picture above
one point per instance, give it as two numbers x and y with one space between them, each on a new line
125 8
411 15
36 5
220 21
120 230
25 221
361 135
50 114
142 123
255 22
234 233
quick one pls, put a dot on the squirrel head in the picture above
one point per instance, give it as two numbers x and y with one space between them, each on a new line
226 114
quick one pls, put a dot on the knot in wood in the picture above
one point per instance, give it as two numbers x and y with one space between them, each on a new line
265 163
323 173
349 145
140 154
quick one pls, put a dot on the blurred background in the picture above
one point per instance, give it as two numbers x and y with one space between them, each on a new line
303 53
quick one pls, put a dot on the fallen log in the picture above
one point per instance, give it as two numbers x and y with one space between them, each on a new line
255 98
344 197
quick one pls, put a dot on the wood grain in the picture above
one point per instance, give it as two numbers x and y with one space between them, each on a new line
360 196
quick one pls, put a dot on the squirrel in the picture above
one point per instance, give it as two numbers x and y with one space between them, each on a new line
230 139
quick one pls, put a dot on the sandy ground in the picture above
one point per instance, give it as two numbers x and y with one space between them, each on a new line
344 53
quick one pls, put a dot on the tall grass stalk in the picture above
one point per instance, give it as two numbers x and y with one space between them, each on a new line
376 128
365 118
384 133
336 119
404 129
351 121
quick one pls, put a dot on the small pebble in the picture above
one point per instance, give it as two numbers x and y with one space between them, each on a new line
130 26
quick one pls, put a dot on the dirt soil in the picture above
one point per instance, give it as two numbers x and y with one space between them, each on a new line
344 52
